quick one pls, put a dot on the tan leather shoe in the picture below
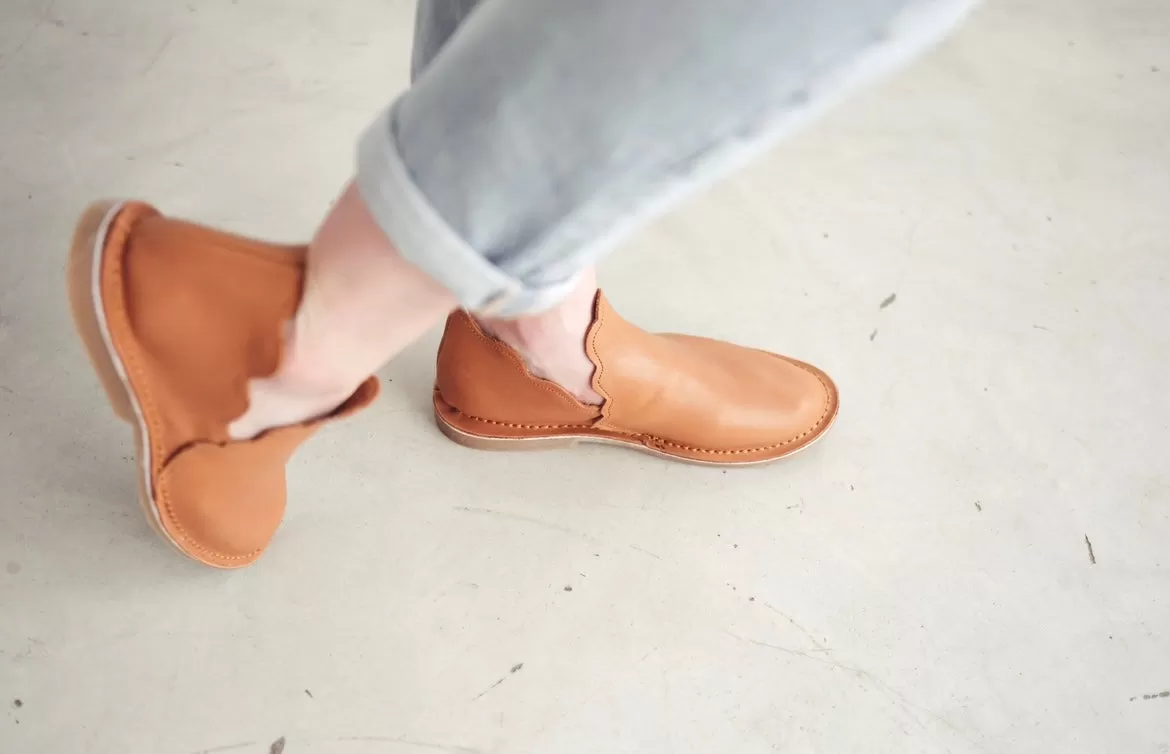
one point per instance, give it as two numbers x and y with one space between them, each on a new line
176 318
687 398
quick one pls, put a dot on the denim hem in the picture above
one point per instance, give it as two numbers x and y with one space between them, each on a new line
425 239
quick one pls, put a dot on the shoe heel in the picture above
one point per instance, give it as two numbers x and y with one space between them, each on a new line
88 240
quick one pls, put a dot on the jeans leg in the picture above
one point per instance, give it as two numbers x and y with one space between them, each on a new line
547 130
434 23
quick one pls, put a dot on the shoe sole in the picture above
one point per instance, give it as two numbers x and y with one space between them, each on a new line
561 442
85 298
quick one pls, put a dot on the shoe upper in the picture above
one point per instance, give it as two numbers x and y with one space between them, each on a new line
702 393
193 314
692 397
485 378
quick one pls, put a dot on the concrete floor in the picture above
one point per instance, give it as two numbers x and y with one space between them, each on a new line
923 581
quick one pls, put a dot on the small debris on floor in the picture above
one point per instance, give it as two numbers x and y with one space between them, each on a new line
308 693
17 703
888 300
978 507
1092 557
872 335
277 746
568 588
517 666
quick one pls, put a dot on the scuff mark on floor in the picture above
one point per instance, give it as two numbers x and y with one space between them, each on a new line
1159 695
412 742
1092 557
645 552
826 658
525 519
808 634
229 747
515 668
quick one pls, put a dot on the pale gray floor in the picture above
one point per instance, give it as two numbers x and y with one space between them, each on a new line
920 582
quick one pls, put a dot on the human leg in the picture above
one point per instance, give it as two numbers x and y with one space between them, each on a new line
362 303
520 155
356 284
541 154
546 130
545 153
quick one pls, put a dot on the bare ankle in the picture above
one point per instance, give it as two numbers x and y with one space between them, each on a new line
362 303
552 343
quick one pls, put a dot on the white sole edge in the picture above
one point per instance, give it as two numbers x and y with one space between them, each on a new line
144 459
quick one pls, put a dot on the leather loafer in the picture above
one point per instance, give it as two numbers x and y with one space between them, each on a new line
176 319
683 397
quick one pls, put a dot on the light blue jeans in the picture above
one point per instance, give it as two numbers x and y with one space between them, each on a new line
539 133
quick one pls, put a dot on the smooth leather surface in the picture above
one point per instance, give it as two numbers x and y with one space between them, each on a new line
689 397
489 380
193 315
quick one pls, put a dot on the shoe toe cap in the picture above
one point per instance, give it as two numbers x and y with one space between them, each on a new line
221 504
804 402
780 405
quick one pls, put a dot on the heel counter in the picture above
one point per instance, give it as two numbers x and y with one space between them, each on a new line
483 377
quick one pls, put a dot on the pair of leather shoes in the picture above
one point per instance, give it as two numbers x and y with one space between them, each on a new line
177 318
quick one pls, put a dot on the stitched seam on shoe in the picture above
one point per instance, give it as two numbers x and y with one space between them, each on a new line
607 400
654 438
522 426
660 441
130 361
820 420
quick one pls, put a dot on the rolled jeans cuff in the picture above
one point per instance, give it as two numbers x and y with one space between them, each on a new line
427 241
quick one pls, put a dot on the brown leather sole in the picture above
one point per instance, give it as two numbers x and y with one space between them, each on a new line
83 275
461 429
